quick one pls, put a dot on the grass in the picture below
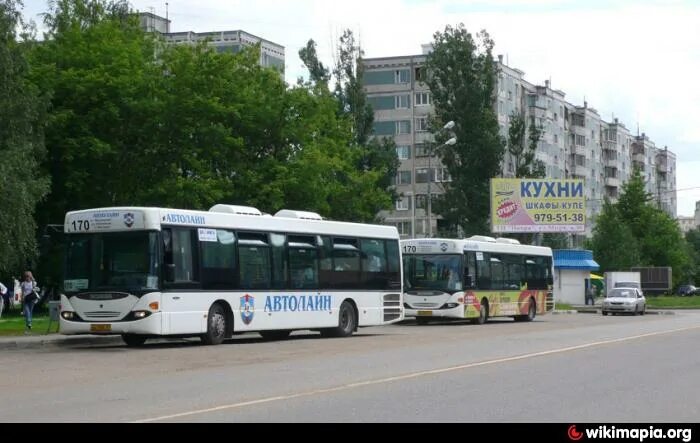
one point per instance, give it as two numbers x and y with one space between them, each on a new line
12 323
563 307
668 302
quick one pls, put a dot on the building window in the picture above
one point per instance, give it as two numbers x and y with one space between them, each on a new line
556 139
580 140
421 124
422 99
404 204
403 178
403 152
441 175
556 117
420 74
421 201
401 76
510 95
422 175
403 127
422 150
403 101
404 227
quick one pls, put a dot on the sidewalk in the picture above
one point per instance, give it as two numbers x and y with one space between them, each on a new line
57 340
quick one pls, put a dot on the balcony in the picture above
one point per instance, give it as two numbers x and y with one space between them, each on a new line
578 150
582 171
612 182
662 166
610 162
639 157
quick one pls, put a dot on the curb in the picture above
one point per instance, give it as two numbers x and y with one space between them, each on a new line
36 342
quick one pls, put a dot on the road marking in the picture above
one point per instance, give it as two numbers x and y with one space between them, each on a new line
409 376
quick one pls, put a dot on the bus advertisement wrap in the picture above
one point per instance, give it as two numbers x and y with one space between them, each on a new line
537 205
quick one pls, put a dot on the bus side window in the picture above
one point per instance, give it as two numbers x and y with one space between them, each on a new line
254 261
394 264
168 262
470 270
483 269
346 263
278 242
219 270
497 273
181 257
374 264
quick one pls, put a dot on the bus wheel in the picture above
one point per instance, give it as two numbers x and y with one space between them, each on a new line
275 335
347 322
531 313
216 326
133 341
483 313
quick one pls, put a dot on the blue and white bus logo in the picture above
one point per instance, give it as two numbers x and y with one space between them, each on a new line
444 247
129 219
247 308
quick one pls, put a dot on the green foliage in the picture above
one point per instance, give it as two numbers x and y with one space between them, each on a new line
375 159
523 149
22 113
461 77
634 232
612 229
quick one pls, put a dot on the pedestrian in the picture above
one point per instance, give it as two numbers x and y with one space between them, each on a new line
29 297
3 292
590 295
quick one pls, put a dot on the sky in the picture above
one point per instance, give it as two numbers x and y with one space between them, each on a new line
636 60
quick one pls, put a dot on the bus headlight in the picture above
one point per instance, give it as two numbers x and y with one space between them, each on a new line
450 305
138 315
67 315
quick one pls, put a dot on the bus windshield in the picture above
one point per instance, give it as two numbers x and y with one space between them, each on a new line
433 272
119 261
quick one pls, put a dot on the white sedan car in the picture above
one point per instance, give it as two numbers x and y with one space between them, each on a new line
628 300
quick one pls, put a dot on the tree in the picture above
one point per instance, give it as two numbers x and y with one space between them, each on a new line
318 74
523 150
634 232
692 237
461 77
612 229
375 159
22 118
99 69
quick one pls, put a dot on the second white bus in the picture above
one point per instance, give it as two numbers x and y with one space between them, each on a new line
476 278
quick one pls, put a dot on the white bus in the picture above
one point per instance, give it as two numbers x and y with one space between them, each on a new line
476 278
152 272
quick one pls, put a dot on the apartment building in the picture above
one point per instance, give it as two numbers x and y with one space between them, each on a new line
271 54
576 143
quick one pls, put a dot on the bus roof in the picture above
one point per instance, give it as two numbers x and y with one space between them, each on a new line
482 244
121 219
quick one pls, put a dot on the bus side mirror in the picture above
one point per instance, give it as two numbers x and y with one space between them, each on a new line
170 273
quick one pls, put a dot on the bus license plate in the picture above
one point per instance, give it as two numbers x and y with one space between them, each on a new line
425 313
101 328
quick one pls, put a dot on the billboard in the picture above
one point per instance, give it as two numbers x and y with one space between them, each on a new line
537 205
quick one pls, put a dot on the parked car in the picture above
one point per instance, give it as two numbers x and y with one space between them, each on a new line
629 284
625 300
684 290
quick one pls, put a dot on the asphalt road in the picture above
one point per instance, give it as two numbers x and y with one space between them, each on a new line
560 368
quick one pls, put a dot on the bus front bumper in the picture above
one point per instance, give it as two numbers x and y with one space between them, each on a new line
456 312
151 325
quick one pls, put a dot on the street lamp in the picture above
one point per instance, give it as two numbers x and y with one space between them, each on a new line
450 142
